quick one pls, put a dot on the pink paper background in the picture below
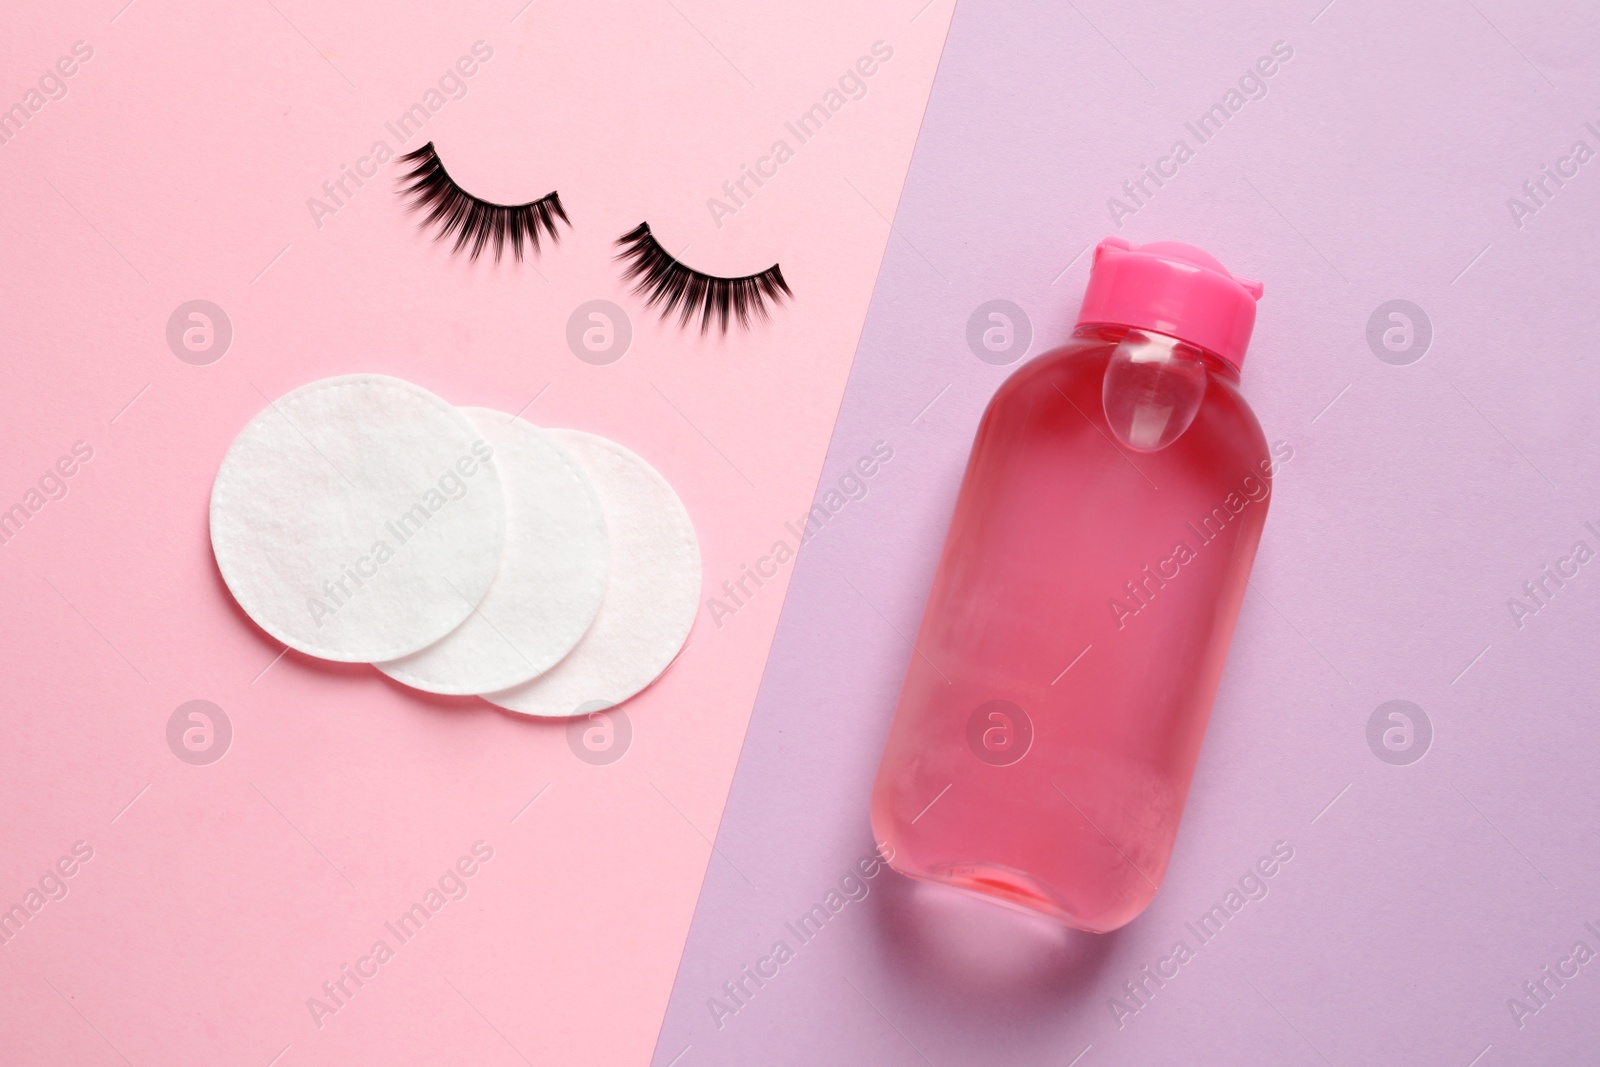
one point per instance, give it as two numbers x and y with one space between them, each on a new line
178 166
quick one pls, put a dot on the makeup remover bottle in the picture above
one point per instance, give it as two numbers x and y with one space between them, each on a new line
1080 617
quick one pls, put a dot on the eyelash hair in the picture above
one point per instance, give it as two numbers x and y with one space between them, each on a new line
665 281
475 221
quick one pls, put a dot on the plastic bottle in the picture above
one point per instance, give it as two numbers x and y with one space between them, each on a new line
1072 644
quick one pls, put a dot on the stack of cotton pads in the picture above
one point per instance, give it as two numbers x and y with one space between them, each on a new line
458 550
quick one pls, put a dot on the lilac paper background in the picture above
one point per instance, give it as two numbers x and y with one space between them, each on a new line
1419 499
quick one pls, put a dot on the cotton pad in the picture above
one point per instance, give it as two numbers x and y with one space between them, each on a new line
652 593
552 571
358 518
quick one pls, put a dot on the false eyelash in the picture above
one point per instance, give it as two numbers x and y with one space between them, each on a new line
471 219
665 281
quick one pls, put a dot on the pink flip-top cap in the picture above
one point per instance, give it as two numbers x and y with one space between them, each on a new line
1174 289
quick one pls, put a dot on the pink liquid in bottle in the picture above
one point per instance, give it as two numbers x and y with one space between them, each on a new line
1078 624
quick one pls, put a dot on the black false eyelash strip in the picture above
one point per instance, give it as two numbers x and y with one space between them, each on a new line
473 221
663 280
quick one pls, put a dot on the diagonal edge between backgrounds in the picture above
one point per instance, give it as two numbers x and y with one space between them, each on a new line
666 1047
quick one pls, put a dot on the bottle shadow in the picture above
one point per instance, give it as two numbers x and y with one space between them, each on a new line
956 948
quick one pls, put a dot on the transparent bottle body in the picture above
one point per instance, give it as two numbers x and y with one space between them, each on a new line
1069 654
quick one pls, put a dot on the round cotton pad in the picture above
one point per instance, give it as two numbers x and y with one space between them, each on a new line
358 518
552 572
651 596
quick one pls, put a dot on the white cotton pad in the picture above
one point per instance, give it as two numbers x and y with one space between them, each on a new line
552 572
358 518
651 596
